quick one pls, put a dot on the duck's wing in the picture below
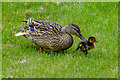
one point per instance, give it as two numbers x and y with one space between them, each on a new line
42 34
40 24
38 29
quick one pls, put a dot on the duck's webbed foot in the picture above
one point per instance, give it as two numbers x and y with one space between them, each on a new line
41 49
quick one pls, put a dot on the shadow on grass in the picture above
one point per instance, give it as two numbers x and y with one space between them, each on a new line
68 52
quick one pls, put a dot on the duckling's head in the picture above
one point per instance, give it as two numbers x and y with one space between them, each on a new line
73 29
85 46
92 40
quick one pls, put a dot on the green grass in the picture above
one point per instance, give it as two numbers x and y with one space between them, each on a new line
0 40
22 58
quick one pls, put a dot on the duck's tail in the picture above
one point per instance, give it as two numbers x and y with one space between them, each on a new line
26 35
32 24
21 34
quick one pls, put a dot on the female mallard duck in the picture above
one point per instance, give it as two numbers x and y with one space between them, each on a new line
50 35
87 45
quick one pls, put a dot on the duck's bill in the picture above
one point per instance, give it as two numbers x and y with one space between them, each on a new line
81 37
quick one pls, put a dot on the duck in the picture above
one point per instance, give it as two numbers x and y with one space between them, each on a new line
85 46
50 35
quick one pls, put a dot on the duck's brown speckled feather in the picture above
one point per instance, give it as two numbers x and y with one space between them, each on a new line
50 35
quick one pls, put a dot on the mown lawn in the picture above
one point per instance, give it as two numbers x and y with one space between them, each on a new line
22 58
0 40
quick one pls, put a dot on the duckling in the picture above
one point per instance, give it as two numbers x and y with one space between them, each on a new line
50 35
87 45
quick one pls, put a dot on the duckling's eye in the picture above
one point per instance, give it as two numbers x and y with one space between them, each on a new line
93 39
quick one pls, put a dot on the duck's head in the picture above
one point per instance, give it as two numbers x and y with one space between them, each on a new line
73 29
92 40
